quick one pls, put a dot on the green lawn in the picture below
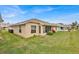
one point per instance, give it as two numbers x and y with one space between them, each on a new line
60 42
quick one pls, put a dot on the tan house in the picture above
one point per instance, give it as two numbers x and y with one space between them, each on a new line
31 27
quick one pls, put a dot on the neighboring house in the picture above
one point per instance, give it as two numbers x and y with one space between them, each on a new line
59 27
54 27
4 25
69 26
31 27
78 26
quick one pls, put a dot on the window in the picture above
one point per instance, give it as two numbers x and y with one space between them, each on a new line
47 28
62 28
20 29
33 29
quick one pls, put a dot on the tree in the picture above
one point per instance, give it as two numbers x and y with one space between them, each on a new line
74 25
1 19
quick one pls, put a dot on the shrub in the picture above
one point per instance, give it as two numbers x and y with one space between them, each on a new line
50 33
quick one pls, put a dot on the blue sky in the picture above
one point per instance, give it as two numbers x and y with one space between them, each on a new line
50 13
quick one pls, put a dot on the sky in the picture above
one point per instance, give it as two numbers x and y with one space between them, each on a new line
50 13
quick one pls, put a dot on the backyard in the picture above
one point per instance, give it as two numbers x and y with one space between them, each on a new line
58 43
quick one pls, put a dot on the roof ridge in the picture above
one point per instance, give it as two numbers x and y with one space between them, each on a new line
23 22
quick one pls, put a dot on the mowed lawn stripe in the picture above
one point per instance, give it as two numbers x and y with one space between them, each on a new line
59 42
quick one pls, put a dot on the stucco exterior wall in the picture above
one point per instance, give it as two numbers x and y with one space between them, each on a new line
16 30
26 30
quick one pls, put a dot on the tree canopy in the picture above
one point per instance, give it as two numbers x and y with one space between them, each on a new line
75 25
1 19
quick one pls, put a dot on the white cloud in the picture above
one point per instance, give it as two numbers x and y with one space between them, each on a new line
11 11
67 19
41 10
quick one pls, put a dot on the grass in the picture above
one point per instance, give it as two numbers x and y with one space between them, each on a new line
58 43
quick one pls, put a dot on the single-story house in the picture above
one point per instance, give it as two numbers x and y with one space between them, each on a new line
62 27
31 27
78 26
59 27
54 27
4 26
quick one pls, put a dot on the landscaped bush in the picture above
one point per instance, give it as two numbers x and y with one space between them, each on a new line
50 33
